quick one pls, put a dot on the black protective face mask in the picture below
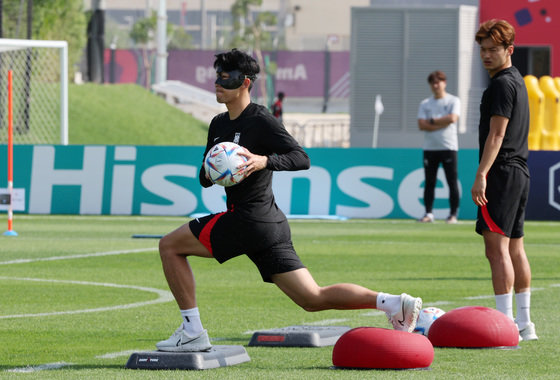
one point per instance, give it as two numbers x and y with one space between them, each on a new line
234 81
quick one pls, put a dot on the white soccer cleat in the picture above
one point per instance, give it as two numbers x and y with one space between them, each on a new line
404 319
528 333
181 342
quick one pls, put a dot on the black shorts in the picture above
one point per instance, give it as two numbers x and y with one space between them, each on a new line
507 191
268 245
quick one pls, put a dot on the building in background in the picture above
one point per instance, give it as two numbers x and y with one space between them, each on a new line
414 40
395 44
330 58
302 24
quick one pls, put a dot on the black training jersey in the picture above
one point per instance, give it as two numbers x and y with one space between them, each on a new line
507 96
261 133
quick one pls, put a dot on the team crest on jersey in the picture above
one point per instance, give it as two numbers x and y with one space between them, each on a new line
237 137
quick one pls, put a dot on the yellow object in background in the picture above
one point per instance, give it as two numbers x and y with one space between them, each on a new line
550 137
536 109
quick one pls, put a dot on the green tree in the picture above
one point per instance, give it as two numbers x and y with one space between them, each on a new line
180 39
52 20
142 34
250 34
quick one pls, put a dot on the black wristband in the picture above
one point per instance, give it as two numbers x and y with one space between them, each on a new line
432 121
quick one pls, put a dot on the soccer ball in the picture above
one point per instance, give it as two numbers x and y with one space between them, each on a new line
426 317
221 164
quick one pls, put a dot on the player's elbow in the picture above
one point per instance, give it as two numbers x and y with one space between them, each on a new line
303 162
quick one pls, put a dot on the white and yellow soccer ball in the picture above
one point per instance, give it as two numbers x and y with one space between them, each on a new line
222 164
426 317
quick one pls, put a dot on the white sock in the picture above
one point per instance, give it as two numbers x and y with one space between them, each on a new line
504 303
523 304
191 321
388 302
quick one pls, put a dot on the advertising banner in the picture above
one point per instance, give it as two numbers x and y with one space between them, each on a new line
298 74
163 180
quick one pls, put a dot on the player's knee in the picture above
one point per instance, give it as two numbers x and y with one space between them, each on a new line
312 303
310 307
164 247
497 256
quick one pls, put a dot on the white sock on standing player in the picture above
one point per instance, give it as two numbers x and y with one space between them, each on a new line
504 303
523 304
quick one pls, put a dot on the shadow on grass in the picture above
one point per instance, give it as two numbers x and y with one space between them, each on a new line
445 278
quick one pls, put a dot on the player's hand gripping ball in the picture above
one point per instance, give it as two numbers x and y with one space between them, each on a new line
224 165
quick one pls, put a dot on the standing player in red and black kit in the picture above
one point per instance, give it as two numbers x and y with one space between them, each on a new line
501 185
253 224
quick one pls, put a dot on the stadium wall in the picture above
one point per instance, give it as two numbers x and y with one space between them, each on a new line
163 180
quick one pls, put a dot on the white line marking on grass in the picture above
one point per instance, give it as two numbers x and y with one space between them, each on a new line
436 303
41 367
163 296
113 355
481 297
80 256
536 289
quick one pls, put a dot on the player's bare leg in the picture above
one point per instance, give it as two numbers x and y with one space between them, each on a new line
497 253
300 286
174 249
522 286
521 267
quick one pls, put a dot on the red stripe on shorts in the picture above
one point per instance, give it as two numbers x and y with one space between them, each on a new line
204 237
489 222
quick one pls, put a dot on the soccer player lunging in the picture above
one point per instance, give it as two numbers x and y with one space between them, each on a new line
253 224
501 185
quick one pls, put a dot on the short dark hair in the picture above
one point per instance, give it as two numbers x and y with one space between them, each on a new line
238 60
281 95
437 76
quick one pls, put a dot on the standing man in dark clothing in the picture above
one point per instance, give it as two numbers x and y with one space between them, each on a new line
501 185
253 224
277 107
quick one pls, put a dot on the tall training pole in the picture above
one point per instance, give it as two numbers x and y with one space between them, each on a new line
10 231
161 61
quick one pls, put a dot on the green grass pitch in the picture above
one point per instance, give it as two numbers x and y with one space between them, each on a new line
79 295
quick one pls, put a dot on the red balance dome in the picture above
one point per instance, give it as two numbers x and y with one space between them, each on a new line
474 327
372 347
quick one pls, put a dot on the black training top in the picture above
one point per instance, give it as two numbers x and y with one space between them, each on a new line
507 96
261 133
